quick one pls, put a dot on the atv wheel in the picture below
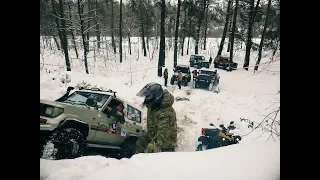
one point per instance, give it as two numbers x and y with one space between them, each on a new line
64 144
215 66
128 148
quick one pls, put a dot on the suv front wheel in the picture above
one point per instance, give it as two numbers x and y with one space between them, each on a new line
128 148
64 144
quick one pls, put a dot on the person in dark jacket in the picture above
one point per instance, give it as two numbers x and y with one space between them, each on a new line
165 76
161 135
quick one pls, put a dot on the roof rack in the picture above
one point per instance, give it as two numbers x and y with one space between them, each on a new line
99 89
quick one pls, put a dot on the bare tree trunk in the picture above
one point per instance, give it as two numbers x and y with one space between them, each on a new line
58 25
196 47
97 25
142 30
249 36
205 28
112 30
225 29
120 33
89 24
85 44
263 36
72 34
184 30
64 36
56 41
129 43
161 61
189 32
233 29
175 51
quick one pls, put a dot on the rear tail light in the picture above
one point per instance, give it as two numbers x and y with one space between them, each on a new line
203 131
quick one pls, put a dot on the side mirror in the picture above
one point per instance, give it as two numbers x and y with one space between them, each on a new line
211 124
221 125
231 122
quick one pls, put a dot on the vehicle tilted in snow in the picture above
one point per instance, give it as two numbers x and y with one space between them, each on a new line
207 79
213 137
224 63
88 118
186 74
198 61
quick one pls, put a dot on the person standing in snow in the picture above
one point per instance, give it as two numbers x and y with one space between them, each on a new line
161 135
165 76
179 79
194 74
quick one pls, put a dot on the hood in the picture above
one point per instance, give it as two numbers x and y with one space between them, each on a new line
53 103
167 100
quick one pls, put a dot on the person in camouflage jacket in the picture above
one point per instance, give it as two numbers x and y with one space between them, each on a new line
161 132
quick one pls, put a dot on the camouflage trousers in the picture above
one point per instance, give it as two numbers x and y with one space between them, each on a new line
146 144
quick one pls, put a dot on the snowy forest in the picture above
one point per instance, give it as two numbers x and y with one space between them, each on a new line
84 26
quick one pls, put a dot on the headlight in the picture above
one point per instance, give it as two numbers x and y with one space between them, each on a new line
54 112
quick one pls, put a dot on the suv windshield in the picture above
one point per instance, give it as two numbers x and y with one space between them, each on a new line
199 58
207 72
182 69
80 98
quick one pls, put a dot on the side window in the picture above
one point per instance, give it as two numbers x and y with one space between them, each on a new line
133 114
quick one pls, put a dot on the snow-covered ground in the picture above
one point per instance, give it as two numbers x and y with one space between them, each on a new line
243 94
254 161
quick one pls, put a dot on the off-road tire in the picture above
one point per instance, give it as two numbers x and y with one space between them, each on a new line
68 143
128 148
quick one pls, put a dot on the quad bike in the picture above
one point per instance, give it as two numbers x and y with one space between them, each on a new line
213 137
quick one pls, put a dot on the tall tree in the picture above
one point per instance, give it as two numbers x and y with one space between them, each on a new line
120 32
200 15
161 61
252 14
84 39
206 27
72 29
97 24
175 51
64 36
58 26
225 29
234 22
112 29
263 36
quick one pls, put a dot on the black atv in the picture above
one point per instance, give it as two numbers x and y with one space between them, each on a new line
213 137
206 79
185 70
198 61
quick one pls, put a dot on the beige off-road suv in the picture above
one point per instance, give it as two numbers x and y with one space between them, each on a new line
88 118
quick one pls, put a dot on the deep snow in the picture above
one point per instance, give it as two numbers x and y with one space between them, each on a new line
253 161
243 94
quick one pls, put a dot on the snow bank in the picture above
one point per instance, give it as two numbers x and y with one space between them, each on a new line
251 161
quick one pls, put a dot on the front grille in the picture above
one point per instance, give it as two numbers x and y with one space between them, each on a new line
43 108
